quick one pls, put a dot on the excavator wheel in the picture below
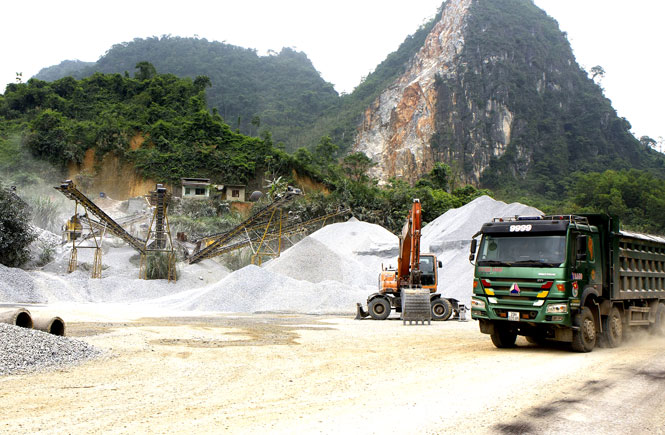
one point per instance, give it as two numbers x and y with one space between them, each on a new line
441 309
379 308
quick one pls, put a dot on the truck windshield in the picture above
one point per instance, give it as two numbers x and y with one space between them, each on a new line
544 251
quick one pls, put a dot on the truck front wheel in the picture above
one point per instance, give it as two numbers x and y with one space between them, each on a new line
584 338
503 336
379 308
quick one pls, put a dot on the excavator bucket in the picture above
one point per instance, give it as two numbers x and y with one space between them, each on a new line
360 313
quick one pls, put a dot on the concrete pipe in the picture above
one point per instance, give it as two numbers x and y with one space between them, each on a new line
19 317
52 325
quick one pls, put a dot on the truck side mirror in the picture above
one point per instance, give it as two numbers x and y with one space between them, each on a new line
440 264
472 253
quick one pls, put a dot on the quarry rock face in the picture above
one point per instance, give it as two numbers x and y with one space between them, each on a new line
397 128
495 93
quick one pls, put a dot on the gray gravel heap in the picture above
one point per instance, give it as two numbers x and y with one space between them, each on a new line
25 350
17 285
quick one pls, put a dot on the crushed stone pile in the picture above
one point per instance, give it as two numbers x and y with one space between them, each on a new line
25 350
369 244
17 285
449 237
119 283
255 289
313 261
324 273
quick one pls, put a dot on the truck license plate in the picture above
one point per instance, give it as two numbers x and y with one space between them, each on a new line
514 316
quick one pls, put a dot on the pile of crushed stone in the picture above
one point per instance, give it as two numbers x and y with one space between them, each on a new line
254 289
314 261
17 285
25 350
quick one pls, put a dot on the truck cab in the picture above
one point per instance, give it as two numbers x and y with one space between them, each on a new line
531 274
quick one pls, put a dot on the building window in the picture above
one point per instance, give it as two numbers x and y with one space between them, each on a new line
188 191
200 191
235 193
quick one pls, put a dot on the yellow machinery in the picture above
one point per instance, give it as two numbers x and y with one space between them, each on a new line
73 228
264 218
73 232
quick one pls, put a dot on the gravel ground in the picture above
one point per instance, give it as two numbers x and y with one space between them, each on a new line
286 374
27 350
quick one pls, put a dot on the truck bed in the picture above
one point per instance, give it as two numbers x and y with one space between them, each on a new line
639 267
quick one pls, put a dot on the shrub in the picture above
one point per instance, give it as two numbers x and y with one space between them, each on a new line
15 231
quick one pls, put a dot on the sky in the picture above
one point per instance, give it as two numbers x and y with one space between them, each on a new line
345 39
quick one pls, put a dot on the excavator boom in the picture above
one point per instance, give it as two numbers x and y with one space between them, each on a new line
409 247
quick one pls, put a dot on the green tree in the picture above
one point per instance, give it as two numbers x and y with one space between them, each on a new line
437 178
256 122
15 232
146 71
648 142
356 165
597 71
325 151
202 82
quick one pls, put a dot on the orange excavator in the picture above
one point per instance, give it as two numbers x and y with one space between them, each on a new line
414 271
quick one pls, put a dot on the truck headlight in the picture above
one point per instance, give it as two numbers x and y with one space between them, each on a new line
477 304
557 308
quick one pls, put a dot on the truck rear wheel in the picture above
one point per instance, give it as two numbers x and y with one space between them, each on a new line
658 328
584 338
502 336
441 309
612 328
379 308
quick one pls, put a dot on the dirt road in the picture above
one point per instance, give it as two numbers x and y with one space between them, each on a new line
310 374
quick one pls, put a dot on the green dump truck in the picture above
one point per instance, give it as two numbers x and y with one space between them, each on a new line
577 279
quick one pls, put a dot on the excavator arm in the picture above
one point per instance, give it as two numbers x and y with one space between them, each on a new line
408 269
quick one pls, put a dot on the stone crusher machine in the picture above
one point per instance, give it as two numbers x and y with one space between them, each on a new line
411 287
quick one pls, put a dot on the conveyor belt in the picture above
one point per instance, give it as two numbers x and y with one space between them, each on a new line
255 236
98 226
264 215
70 191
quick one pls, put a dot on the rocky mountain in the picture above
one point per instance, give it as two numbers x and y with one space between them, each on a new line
398 126
496 93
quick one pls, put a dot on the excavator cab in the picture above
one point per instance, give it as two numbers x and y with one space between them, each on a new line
428 271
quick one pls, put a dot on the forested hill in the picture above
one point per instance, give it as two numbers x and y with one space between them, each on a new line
281 92
60 121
